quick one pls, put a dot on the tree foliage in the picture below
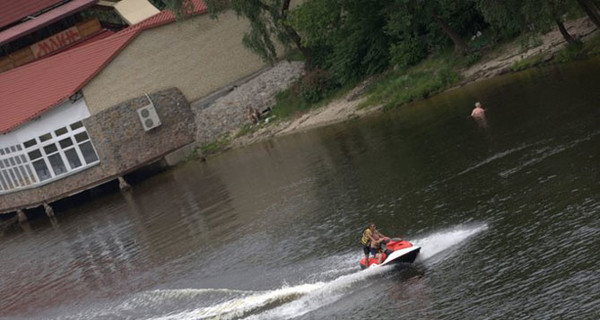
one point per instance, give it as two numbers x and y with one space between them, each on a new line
347 40
348 36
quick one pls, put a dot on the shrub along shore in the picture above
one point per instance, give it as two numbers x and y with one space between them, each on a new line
402 51
397 87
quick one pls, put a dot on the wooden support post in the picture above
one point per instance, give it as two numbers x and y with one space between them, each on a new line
21 216
23 221
49 210
123 185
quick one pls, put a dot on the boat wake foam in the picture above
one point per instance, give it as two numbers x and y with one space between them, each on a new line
436 247
286 302
541 154
290 302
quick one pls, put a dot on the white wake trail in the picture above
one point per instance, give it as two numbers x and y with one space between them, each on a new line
443 242
290 302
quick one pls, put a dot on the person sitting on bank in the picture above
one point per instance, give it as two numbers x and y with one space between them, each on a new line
253 114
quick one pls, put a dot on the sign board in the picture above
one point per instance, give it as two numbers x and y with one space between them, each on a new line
55 42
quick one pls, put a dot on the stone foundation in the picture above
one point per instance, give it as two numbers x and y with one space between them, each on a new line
122 145
121 141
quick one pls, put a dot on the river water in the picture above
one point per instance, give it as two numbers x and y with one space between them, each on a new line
507 217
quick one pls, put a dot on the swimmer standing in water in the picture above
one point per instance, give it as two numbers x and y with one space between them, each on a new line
478 114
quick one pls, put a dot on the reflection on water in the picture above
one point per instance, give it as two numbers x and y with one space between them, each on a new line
507 218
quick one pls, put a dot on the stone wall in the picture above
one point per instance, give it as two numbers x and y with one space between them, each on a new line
121 144
228 114
121 141
53 191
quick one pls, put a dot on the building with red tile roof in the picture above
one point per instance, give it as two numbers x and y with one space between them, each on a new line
97 110
36 87
30 90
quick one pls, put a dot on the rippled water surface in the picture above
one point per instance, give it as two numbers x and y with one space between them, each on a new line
507 217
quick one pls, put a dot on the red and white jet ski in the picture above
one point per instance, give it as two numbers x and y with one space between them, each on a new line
394 251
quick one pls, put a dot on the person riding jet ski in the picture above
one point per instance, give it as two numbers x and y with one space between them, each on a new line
372 241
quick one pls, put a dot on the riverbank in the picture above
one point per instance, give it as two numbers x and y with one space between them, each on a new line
509 57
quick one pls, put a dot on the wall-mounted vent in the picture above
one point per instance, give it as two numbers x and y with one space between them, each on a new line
148 116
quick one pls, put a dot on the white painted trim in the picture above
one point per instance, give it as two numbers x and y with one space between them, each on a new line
51 180
61 117
53 119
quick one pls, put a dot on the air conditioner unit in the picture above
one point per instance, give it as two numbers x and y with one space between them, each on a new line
148 116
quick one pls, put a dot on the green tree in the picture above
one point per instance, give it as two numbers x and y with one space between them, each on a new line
503 15
411 19
592 9
527 15
347 36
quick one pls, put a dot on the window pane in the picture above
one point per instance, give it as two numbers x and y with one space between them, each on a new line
7 150
19 147
1 152
23 158
80 137
58 166
13 148
60 131
7 179
12 161
64 143
45 137
89 154
18 160
73 158
19 177
31 175
6 163
3 182
51 148
42 170
30 143
1 165
14 178
76 125
34 154
26 178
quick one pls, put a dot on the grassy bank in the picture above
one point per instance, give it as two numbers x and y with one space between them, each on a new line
433 75
400 86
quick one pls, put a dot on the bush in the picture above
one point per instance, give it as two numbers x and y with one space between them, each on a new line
571 52
526 63
398 89
408 52
316 85
445 77
215 146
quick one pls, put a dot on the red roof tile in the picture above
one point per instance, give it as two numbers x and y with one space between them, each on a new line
43 19
29 90
32 89
12 11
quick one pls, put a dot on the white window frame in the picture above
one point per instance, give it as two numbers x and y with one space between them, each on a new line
32 179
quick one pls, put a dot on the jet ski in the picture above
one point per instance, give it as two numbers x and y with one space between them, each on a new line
394 251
